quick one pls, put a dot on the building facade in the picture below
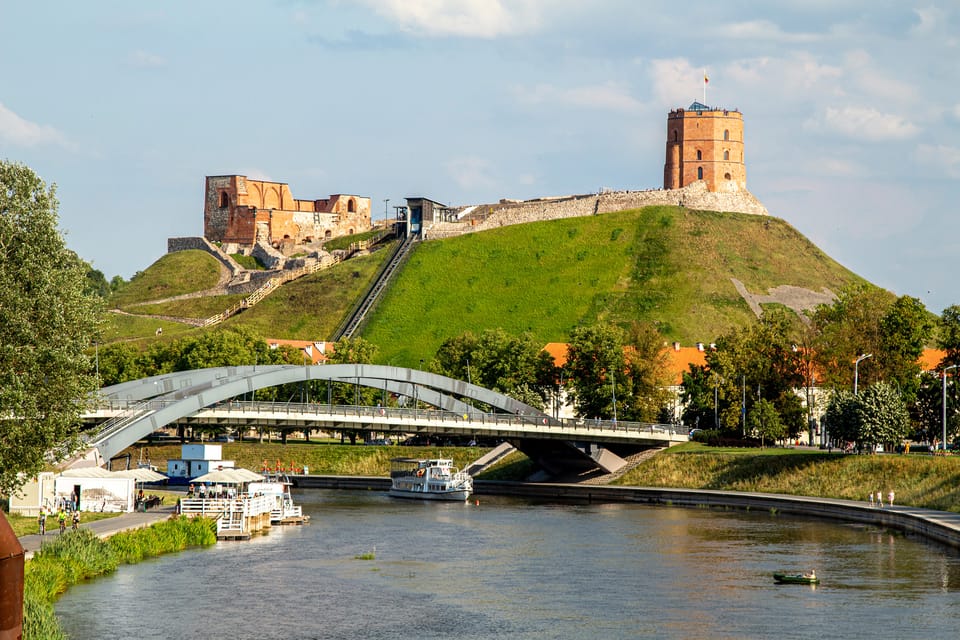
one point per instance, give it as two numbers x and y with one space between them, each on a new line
244 211
705 143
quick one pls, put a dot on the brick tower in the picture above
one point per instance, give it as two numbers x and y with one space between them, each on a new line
704 143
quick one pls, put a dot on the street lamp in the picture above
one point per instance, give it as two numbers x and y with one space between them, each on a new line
945 369
716 416
856 371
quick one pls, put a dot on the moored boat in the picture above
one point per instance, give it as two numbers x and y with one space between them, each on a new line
433 479
796 578
283 511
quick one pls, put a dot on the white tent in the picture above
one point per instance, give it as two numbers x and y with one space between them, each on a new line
229 476
87 472
140 475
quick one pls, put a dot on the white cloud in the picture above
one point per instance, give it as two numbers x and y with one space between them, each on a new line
17 131
471 173
675 81
760 30
146 60
604 97
941 155
470 18
862 123
929 20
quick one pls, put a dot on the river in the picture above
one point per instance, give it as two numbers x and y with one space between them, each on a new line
517 569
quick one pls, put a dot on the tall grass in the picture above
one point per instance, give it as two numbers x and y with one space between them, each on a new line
80 555
917 480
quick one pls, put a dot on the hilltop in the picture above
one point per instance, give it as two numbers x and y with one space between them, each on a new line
695 274
671 266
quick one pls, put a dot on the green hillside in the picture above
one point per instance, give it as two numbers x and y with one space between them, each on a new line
666 265
309 308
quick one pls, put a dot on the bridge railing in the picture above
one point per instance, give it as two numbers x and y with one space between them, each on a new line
405 415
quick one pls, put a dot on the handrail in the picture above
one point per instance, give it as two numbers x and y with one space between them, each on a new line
400 415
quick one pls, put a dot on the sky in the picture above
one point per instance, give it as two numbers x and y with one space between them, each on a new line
851 110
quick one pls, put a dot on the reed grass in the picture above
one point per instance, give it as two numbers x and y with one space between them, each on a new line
80 555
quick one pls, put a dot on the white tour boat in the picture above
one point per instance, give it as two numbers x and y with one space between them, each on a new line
435 479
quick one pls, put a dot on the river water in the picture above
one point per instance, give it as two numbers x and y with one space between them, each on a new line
518 569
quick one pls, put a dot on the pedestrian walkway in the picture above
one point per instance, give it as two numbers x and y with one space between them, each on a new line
103 528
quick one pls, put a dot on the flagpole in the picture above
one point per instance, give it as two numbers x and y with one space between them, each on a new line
704 85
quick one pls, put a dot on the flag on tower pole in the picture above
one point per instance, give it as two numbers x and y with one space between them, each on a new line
706 80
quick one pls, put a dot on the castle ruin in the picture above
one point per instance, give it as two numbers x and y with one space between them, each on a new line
245 212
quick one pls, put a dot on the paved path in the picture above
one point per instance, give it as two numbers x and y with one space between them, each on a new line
103 528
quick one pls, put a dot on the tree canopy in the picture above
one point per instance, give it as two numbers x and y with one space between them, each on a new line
48 320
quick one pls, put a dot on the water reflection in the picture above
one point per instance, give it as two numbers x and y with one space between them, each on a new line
528 570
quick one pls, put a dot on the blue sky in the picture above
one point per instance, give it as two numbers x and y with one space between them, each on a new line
851 110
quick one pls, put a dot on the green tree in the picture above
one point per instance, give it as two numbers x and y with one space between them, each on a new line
841 418
513 365
596 370
905 330
883 417
647 373
948 336
759 362
48 322
764 422
697 396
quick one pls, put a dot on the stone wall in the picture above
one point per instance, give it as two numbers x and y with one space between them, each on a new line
694 196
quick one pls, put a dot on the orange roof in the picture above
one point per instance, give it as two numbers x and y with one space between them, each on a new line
930 359
316 351
679 361
559 352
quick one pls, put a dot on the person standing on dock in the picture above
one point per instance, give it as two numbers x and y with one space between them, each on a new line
890 498
880 499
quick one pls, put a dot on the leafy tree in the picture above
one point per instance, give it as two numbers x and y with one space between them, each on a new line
882 415
647 373
841 418
847 328
905 330
697 395
47 323
596 368
97 283
759 362
948 337
353 351
764 422
513 365
878 415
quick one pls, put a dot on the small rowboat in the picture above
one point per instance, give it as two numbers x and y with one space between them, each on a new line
796 578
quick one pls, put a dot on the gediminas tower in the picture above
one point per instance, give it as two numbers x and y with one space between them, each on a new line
705 143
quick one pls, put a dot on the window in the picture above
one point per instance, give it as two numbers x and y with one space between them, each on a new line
699 155
676 136
351 206
726 176
726 155
726 134
699 173
224 200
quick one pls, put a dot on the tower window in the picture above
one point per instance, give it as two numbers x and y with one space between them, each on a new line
224 200
676 136
726 134
726 155
699 155
699 173
351 205
726 176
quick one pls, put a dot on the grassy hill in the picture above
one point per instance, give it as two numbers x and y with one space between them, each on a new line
309 308
666 265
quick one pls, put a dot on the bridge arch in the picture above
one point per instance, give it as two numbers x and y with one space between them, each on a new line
187 392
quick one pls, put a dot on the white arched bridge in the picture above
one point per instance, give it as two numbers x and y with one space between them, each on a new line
133 410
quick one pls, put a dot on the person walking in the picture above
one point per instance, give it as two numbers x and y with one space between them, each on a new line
890 498
76 520
871 498
42 521
880 499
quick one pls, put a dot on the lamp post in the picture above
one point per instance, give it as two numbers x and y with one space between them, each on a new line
945 369
386 210
856 370
613 393
716 416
